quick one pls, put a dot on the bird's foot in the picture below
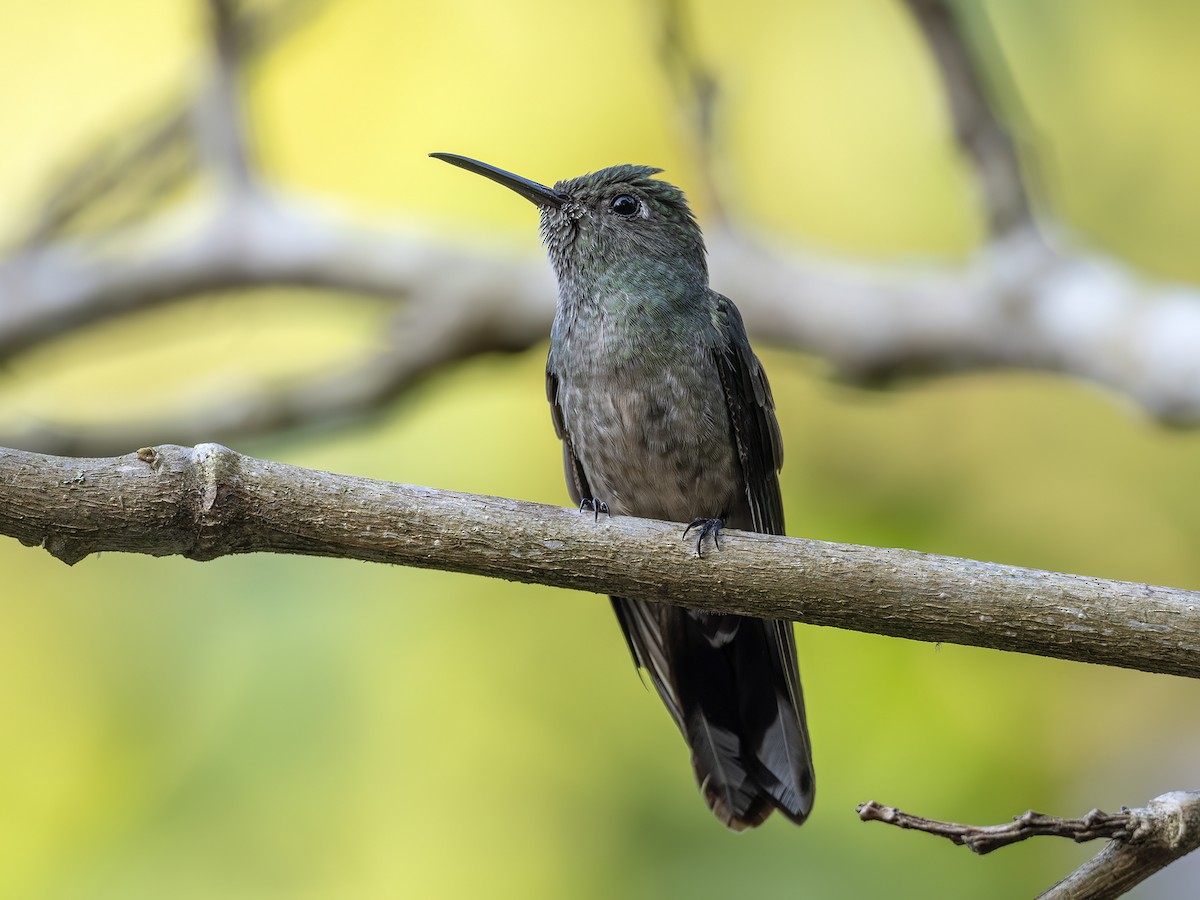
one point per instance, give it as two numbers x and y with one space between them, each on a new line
706 527
596 506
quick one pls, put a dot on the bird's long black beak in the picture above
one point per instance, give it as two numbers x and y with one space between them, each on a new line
530 190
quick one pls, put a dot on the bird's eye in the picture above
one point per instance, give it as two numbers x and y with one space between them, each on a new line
625 205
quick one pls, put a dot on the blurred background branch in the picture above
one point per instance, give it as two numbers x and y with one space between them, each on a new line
984 141
220 127
123 176
1018 302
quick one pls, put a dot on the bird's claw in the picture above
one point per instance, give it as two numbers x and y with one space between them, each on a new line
596 506
707 527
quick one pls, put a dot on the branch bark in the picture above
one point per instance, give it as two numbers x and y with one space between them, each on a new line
210 501
1161 833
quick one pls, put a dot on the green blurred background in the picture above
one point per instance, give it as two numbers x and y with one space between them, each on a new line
278 727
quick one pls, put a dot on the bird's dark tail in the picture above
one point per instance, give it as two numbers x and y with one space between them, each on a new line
732 686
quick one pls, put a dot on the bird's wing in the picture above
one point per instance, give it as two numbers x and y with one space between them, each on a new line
751 412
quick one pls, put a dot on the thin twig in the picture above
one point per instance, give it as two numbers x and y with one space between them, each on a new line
983 839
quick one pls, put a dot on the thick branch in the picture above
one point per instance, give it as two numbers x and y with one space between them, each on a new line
211 501
1166 830
1143 841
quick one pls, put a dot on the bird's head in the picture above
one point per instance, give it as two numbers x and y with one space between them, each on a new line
610 224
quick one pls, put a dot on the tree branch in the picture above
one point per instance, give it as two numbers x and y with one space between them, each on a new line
219 124
455 305
1017 304
1143 841
696 90
979 133
983 839
1169 828
210 501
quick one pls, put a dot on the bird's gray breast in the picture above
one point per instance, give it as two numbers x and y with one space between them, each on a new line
646 417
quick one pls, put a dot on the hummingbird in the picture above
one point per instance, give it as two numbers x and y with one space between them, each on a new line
665 412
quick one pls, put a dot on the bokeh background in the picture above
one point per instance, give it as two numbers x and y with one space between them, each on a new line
279 727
